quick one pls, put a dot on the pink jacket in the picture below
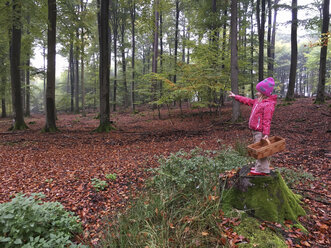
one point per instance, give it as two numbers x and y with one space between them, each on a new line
261 114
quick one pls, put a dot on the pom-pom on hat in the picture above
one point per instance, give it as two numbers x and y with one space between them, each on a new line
266 86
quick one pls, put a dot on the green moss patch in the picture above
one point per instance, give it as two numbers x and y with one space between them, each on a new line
267 198
250 229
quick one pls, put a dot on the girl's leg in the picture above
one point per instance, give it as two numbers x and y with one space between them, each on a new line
261 165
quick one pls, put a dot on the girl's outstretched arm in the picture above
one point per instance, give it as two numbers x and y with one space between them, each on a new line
242 99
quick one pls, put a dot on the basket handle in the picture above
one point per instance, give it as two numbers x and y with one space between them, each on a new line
264 141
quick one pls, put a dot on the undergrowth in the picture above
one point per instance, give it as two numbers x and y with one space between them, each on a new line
27 222
181 206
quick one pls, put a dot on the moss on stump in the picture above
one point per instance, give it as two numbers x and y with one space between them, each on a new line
264 197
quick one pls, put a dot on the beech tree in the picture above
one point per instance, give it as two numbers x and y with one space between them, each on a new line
294 51
51 53
234 60
320 98
103 27
15 57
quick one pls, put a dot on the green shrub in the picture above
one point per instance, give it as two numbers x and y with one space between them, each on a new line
99 184
180 206
28 222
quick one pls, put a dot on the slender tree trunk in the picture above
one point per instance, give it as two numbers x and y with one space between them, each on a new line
76 61
294 52
50 91
115 71
224 47
269 38
234 60
320 98
155 48
133 19
252 53
103 18
261 31
27 98
3 96
15 67
27 79
126 93
176 40
72 77
273 40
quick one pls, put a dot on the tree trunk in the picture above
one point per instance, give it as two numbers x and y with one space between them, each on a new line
261 24
104 125
3 96
273 40
76 61
234 60
155 49
82 6
252 53
320 98
15 67
176 40
126 93
294 52
72 76
114 19
27 74
133 19
27 97
50 90
269 38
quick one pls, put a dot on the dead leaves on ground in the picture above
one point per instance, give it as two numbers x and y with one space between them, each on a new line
61 165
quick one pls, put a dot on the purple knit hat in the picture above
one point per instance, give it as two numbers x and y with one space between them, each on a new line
266 86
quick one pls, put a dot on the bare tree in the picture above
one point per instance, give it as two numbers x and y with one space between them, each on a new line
234 59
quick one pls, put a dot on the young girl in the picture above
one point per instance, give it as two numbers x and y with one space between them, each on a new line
260 118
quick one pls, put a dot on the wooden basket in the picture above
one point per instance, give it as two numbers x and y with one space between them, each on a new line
265 148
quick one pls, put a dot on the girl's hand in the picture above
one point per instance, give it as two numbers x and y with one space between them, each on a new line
265 137
231 94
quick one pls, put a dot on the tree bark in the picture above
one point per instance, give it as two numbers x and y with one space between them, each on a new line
176 40
261 31
234 60
133 19
126 93
3 96
15 67
104 125
273 40
320 98
72 77
294 52
50 90
155 48
76 62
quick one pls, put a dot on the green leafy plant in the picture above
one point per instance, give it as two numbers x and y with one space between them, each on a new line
180 205
111 176
29 222
98 184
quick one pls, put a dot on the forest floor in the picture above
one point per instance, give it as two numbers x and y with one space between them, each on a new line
61 165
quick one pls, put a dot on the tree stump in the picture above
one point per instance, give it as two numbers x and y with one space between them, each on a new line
264 197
